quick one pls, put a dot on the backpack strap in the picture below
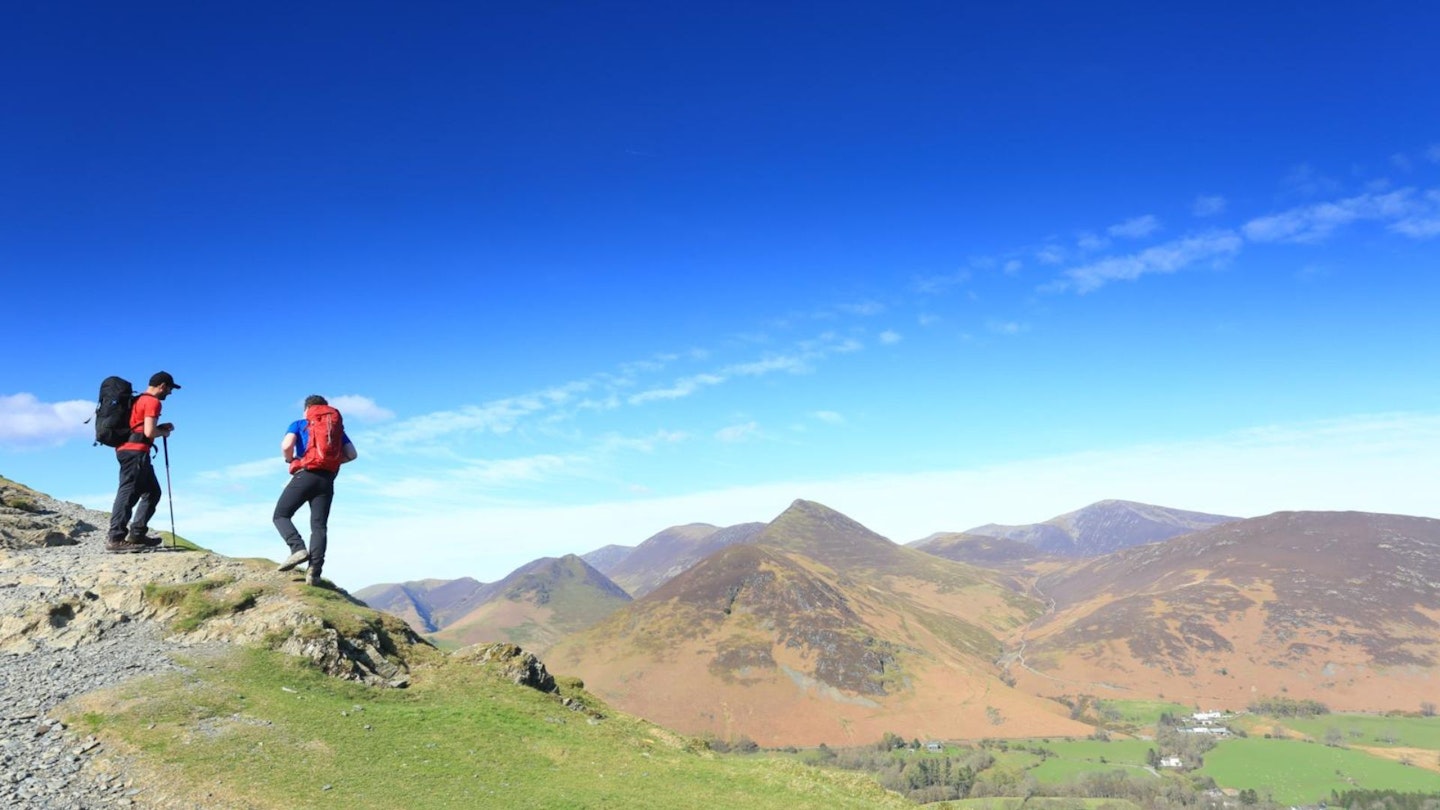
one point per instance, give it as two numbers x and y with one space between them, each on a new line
139 438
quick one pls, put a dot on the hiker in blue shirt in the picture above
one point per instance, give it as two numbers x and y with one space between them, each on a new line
314 447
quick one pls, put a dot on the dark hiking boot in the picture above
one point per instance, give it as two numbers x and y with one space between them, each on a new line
124 547
294 559
312 577
142 540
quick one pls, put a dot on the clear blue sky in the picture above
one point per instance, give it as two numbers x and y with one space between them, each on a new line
578 272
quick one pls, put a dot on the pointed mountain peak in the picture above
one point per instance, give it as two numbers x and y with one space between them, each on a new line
820 532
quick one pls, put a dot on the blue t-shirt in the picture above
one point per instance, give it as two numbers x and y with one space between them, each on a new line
301 429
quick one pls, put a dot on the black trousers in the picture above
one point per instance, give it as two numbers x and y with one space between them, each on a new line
317 488
138 486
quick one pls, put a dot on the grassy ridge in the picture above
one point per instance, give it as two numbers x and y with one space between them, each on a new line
261 729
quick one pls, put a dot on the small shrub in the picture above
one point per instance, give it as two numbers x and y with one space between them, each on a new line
23 504
195 606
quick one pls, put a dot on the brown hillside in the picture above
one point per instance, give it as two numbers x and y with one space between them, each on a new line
673 551
535 605
818 631
981 550
426 605
1340 607
1106 526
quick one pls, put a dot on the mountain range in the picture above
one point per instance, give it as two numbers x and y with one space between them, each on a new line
811 628
1103 527
1339 607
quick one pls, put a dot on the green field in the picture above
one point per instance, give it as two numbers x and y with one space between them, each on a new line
260 729
1141 713
1079 757
1015 759
1369 729
1293 772
1038 803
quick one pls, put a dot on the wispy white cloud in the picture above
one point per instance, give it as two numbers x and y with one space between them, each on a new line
1419 228
890 337
1313 223
1007 327
863 308
1432 153
680 389
1050 254
362 409
1013 266
273 467
940 282
829 417
1135 228
738 433
1306 181
794 364
1209 205
498 416
1090 242
26 422
1425 221
1165 258
508 471
799 361
643 444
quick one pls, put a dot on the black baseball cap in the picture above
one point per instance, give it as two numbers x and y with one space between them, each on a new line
163 378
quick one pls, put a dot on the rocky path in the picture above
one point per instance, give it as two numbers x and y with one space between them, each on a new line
43 764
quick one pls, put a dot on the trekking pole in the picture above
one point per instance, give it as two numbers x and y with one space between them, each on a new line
165 442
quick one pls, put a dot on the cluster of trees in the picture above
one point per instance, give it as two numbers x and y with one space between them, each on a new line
739 745
920 778
970 773
1172 741
1288 707
1384 800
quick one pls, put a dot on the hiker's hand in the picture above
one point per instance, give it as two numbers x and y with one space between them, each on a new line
166 428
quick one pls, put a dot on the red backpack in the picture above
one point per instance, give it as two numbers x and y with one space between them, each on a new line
326 450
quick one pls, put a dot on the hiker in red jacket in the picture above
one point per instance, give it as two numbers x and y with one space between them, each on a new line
138 484
314 447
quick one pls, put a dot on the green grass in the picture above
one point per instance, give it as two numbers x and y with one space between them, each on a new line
1014 760
179 542
197 601
1368 729
260 729
21 503
1293 772
1038 803
1142 713
1078 757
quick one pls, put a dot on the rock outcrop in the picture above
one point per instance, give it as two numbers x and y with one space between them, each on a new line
74 618
29 519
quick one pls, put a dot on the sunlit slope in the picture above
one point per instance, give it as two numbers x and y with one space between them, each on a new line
536 605
1341 607
817 631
